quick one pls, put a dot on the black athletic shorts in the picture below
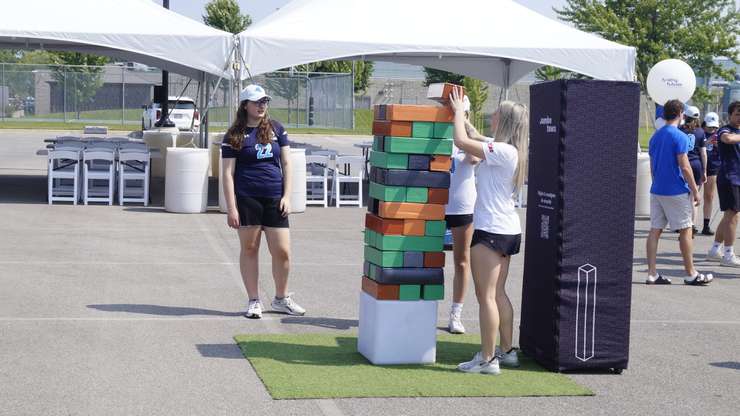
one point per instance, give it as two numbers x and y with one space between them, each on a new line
507 245
697 169
458 220
729 195
260 211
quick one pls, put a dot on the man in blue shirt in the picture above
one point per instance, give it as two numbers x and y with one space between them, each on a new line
673 195
728 189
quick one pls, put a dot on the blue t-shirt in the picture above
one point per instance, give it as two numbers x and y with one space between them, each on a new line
730 155
665 145
258 172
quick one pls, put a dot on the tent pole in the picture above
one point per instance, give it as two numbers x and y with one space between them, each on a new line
507 78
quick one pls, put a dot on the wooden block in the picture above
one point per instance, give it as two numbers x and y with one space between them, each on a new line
440 163
419 162
435 228
384 226
443 130
386 258
413 259
380 291
404 243
395 144
406 112
404 275
408 210
441 91
438 195
392 128
389 160
433 292
423 129
373 205
378 143
432 259
387 193
417 178
417 194
414 227
379 112
409 292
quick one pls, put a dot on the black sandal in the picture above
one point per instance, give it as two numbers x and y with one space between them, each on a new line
699 280
658 281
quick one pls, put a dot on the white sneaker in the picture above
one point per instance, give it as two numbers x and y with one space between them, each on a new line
479 365
714 255
287 305
254 310
507 359
455 326
732 261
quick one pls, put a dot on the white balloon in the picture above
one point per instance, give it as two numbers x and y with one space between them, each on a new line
671 79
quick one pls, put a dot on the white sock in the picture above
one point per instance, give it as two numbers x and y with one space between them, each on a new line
716 246
728 252
457 308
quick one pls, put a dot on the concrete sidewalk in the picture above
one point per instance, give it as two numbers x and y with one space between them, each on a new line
131 311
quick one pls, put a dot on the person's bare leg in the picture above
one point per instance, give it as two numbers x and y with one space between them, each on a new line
486 264
249 239
505 309
461 238
686 244
652 250
278 242
728 233
709 188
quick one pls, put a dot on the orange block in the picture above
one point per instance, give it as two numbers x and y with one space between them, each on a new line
392 128
440 163
434 259
441 91
406 112
407 210
438 195
414 227
378 291
384 226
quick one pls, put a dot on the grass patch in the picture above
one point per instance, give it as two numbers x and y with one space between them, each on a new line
311 366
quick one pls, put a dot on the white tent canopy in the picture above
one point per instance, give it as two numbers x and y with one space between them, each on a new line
498 41
131 30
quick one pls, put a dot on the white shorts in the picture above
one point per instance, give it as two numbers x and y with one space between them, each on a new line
673 210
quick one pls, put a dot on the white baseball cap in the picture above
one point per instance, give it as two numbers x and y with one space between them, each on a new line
253 92
691 111
466 103
711 120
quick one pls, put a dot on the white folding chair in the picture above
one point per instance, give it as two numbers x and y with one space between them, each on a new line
98 165
132 147
133 165
349 169
62 139
63 166
317 179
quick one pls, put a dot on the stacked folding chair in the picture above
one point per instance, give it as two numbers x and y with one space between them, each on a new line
403 269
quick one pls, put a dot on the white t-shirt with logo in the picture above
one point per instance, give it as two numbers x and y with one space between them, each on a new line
462 185
494 208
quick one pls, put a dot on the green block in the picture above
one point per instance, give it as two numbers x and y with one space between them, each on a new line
389 160
384 258
418 146
435 228
403 242
423 129
433 292
443 130
378 143
409 292
419 195
387 193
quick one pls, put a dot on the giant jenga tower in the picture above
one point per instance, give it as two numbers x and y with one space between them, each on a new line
403 270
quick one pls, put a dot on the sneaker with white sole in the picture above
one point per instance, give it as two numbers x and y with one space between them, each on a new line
479 365
287 305
714 255
455 326
254 310
731 261
507 359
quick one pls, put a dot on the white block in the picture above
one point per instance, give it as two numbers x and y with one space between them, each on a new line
397 332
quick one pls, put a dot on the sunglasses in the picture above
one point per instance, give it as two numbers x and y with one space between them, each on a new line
263 101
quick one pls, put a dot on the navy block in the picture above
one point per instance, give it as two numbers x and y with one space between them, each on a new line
413 259
405 276
419 162
416 178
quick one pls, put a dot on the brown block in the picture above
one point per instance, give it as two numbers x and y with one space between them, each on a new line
434 259
441 91
379 291
438 195
440 163
407 210
384 226
414 227
406 112
392 128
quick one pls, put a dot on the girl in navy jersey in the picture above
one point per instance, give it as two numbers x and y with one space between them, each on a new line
709 128
256 181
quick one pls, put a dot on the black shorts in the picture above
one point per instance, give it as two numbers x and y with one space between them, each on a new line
456 220
506 244
696 169
713 167
729 195
260 211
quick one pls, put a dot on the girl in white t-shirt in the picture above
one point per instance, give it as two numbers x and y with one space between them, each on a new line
497 234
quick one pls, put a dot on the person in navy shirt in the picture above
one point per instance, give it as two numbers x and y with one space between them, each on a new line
697 153
256 182
728 189
709 131
673 195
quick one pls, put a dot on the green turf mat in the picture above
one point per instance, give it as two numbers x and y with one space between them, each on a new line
313 366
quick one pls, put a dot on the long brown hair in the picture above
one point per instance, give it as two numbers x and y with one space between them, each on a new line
239 128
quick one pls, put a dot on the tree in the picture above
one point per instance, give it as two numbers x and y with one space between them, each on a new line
363 71
81 80
696 31
433 76
549 73
477 92
226 15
